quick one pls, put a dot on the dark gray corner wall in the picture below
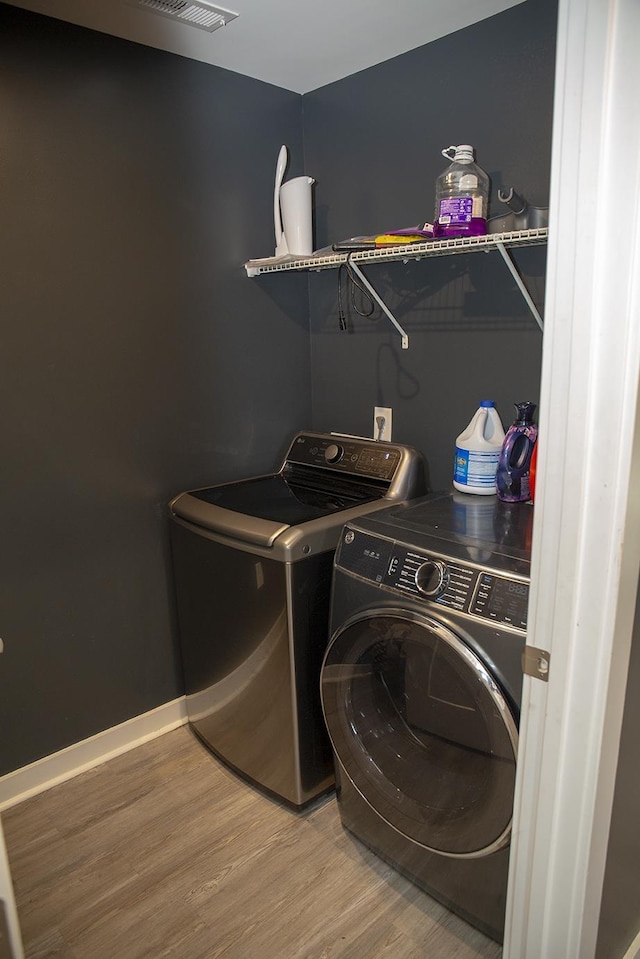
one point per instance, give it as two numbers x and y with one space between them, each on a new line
373 143
137 359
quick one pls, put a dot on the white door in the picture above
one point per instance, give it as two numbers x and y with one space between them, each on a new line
586 539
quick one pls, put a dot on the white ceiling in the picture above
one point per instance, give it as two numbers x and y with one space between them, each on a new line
296 44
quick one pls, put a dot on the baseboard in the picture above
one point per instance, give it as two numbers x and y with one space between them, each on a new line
23 783
634 949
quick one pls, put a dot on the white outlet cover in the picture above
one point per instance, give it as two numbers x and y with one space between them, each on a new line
387 413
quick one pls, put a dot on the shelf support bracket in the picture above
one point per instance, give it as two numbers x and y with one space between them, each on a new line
514 273
383 306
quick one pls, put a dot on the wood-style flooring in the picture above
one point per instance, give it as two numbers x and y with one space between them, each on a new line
163 852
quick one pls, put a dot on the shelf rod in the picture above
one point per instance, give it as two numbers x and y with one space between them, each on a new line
356 269
514 273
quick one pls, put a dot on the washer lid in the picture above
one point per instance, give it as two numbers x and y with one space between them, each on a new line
258 510
248 529
322 475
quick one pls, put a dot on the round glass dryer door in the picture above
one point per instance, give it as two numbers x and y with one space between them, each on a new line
422 731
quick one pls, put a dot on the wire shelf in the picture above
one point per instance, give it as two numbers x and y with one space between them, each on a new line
404 252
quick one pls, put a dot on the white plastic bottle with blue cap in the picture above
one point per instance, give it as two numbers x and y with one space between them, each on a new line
478 452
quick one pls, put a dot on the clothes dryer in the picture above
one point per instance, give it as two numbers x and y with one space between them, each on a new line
421 691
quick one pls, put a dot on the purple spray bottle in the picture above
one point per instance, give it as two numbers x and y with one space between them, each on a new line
512 477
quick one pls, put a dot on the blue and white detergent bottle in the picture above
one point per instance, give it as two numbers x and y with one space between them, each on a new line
514 466
478 451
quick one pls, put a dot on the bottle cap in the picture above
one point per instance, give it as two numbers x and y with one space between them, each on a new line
487 403
464 152
524 412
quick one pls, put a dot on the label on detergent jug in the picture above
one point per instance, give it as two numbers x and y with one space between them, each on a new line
463 209
476 469
456 210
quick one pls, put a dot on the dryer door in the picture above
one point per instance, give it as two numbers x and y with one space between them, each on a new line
422 730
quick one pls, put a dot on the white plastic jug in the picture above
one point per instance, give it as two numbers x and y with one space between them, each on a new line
295 202
292 211
478 451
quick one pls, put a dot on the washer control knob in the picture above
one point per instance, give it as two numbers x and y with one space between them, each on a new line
432 578
333 453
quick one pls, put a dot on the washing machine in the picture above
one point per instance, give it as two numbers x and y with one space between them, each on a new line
421 691
252 565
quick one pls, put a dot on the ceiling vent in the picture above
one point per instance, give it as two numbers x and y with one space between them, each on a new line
195 13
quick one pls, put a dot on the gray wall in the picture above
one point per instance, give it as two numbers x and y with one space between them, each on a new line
373 142
136 359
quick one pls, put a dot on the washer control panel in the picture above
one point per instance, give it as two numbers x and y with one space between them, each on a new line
468 589
346 455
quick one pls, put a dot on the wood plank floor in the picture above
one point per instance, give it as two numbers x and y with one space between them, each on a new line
163 852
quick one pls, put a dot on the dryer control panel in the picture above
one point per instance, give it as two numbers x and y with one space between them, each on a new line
429 576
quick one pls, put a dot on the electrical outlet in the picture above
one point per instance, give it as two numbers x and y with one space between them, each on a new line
382 417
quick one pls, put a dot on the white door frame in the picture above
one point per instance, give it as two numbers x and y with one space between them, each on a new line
6 894
586 540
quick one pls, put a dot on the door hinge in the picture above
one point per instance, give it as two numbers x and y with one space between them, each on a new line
536 663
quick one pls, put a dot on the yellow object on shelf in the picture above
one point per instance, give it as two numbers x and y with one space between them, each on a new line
386 239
